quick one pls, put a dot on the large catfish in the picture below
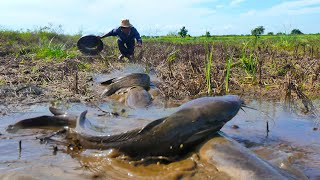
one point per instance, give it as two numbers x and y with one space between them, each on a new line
192 123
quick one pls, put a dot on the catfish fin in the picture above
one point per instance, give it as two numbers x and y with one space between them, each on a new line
152 124
81 120
122 137
208 133
107 82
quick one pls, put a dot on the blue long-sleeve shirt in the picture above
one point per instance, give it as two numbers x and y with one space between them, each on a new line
134 34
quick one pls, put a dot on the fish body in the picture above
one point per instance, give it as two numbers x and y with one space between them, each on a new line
193 122
41 122
134 79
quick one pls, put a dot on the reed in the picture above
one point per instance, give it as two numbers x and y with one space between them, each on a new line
209 57
228 67
171 57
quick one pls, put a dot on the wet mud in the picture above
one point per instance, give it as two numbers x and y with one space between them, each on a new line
291 144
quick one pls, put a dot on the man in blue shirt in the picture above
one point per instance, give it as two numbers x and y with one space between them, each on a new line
126 34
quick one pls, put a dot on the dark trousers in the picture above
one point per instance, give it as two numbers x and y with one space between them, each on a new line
126 48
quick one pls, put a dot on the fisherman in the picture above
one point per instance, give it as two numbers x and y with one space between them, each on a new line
126 34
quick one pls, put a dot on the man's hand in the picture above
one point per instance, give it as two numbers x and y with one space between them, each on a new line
139 44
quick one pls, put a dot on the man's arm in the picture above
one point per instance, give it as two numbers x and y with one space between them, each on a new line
137 36
113 32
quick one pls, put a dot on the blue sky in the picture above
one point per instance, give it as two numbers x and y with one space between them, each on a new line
159 17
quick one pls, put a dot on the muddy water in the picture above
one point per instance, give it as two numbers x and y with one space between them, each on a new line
40 161
291 144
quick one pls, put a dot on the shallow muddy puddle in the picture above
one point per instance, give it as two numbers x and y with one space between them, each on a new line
291 143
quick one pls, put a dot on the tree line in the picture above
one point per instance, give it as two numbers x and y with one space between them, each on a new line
258 31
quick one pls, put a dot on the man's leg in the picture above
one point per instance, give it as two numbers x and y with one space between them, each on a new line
130 46
123 50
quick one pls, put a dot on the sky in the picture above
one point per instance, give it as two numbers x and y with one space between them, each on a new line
161 17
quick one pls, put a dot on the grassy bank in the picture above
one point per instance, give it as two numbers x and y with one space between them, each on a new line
291 43
268 66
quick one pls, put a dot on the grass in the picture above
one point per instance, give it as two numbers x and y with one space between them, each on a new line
57 51
190 69
171 57
249 63
43 43
276 42
228 68
209 56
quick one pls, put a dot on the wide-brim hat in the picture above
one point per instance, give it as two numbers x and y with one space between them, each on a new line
125 23
90 45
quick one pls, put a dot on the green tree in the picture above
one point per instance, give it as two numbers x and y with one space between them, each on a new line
257 31
183 32
296 31
270 33
280 33
207 34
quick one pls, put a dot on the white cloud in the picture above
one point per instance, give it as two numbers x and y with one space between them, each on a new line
102 15
309 10
149 16
236 2
219 6
228 27
297 7
249 13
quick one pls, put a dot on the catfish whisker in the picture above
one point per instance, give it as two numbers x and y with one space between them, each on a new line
243 105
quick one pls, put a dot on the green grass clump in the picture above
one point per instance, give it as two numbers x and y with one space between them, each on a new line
57 51
46 42
249 63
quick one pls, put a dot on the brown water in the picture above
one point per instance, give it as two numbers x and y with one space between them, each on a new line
40 161
291 144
